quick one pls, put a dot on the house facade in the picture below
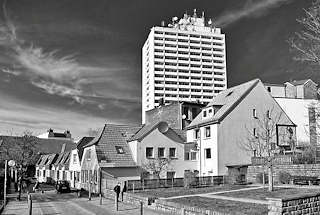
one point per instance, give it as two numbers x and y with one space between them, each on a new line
156 142
44 165
75 162
108 157
60 168
222 128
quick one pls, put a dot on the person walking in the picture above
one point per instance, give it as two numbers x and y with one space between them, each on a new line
117 190
123 189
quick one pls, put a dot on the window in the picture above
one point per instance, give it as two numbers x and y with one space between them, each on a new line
193 156
120 149
190 156
160 152
208 153
204 113
170 175
255 132
149 152
197 134
172 152
44 173
210 110
74 158
207 132
254 113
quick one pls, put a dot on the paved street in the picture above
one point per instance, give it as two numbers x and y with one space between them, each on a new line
51 203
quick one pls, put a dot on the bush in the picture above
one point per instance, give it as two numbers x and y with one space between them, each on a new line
260 178
284 177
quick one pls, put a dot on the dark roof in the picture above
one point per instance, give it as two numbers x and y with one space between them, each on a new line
63 159
146 129
80 145
227 100
45 146
121 171
47 159
110 137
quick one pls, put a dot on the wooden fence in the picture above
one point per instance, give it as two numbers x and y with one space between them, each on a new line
174 182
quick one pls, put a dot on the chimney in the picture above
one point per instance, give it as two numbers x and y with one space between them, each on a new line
63 148
163 23
67 133
50 132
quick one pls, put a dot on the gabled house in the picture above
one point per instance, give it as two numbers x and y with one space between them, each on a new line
43 168
225 123
108 156
75 162
158 141
299 99
60 167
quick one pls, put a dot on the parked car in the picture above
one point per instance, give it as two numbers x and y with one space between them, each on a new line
63 186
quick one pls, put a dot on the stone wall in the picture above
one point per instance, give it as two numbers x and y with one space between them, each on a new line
306 204
296 170
176 208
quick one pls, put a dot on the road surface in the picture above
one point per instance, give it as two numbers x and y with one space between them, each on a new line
51 203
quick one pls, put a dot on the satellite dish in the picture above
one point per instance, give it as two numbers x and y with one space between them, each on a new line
11 163
163 127
184 116
175 18
210 22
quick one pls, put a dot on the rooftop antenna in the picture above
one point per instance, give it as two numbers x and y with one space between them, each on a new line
195 13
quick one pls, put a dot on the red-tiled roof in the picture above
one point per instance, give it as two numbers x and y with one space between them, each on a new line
80 145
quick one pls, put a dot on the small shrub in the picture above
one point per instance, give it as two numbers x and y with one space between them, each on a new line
259 178
284 177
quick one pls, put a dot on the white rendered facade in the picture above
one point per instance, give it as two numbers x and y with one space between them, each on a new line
183 62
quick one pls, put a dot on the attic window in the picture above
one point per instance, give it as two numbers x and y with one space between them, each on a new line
120 149
229 93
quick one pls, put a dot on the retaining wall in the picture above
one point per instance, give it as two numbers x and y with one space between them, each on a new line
129 197
293 169
305 204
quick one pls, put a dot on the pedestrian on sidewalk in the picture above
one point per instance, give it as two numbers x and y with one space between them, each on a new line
123 189
117 190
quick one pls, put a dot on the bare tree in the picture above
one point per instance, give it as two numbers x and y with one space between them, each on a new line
261 141
21 149
306 43
157 166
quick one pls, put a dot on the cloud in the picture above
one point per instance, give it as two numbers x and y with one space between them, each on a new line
57 75
12 72
251 9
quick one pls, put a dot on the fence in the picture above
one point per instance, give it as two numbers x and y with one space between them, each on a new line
277 159
174 182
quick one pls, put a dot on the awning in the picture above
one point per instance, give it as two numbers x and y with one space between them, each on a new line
117 172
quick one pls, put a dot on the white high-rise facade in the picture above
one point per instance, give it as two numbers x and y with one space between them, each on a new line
185 61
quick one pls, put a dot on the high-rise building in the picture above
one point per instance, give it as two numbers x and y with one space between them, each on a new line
184 61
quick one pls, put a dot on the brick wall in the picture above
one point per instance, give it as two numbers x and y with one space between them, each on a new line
305 204
298 170
169 113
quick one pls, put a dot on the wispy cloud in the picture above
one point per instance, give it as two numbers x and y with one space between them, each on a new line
57 75
252 8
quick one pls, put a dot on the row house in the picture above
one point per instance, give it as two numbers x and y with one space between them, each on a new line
75 162
44 165
60 169
225 124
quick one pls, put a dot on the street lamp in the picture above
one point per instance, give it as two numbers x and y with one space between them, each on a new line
11 163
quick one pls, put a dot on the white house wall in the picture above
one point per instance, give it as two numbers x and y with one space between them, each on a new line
297 110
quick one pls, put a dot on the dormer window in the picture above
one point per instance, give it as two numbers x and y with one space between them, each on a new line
254 113
204 113
120 149
229 94
268 115
210 111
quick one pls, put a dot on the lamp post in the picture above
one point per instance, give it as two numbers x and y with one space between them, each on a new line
11 163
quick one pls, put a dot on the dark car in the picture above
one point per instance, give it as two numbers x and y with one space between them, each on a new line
63 186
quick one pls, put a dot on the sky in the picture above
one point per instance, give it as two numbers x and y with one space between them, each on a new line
76 64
